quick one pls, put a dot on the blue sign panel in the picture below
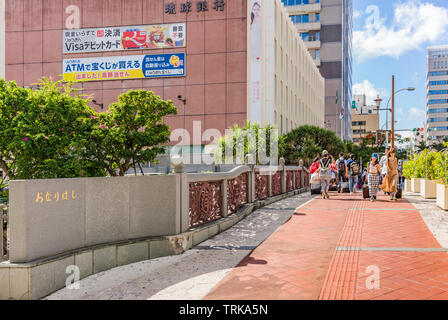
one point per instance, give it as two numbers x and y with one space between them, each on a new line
164 65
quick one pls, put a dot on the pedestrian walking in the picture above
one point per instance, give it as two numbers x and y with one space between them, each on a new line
333 174
390 181
383 166
400 174
340 164
373 176
352 172
313 168
324 173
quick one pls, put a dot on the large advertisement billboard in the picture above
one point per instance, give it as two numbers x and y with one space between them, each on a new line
124 38
124 67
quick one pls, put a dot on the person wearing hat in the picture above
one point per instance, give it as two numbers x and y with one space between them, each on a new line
324 173
373 176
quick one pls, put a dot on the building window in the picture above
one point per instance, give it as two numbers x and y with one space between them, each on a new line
314 36
305 36
295 2
438 120
437 101
440 110
432 92
438 83
438 129
303 18
317 17
317 54
438 73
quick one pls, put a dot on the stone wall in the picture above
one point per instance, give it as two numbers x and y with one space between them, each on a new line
49 217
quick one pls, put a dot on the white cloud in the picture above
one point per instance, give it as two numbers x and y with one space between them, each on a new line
357 13
414 24
415 113
367 88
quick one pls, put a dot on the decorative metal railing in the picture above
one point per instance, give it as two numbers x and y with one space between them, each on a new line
216 195
205 202
277 183
237 193
261 186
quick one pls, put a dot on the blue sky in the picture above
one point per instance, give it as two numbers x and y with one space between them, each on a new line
391 37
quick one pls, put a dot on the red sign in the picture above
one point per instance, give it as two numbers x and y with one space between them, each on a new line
134 39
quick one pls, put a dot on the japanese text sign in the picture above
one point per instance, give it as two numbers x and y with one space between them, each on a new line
124 38
125 67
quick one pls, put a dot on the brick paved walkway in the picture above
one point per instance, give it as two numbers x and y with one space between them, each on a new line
330 249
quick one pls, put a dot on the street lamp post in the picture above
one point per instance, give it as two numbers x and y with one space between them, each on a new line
393 112
378 102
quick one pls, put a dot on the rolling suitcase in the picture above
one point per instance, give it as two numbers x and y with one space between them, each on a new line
399 190
365 191
315 188
345 187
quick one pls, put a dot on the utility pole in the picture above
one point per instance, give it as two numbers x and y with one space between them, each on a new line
393 112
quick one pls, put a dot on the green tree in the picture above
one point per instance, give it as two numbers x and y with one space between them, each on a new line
39 131
131 133
251 139
307 142
421 146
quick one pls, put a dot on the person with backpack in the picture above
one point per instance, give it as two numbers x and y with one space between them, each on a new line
352 172
340 164
313 168
324 173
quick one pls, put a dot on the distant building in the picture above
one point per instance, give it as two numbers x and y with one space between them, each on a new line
417 137
437 94
326 28
365 119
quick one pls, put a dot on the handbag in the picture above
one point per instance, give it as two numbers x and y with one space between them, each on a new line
314 178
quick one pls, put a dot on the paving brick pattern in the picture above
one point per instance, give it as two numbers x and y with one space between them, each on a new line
331 248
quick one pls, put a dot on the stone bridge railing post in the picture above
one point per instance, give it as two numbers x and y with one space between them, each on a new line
302 176
178 165
283 170
250 161
224 209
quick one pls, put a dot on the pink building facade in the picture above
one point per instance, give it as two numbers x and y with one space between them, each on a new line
214 87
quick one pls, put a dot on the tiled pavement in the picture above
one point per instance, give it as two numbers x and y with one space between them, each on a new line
344 248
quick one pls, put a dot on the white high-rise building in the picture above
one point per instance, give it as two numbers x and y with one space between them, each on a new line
326 28
437 94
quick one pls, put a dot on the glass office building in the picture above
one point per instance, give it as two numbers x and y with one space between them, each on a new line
437 94
326 28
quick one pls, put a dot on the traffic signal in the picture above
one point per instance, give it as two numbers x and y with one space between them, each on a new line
379 138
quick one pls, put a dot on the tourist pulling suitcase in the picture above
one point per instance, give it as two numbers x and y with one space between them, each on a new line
315 188
365 191
399 190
